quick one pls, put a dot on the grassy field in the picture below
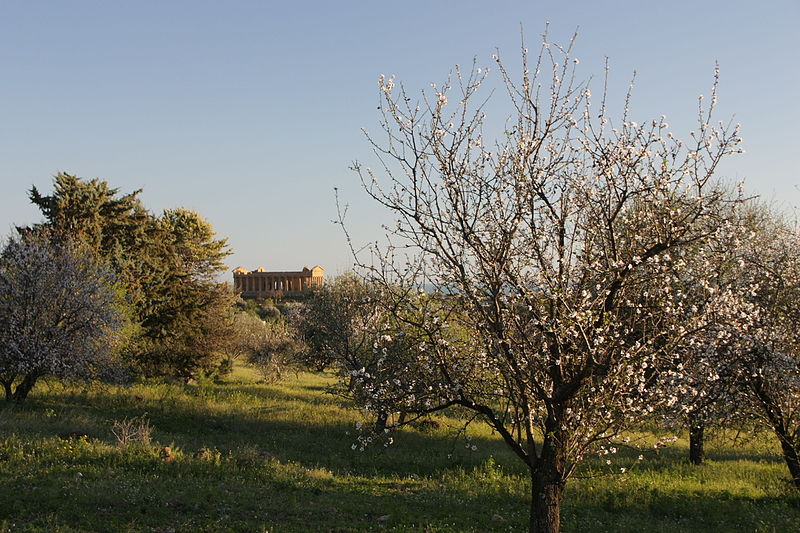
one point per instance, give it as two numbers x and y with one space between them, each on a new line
246 456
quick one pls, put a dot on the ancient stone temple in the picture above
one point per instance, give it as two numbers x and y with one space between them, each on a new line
261 284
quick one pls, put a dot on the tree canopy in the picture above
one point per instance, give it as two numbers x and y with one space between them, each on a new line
168 266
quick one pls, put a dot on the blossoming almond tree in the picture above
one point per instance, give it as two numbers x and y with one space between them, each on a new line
339 324
768 350
744 363
59 314
554 243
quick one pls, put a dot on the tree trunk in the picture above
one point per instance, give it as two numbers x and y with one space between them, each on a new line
380 423
24 387
791 456
773 412
696 451
9 392
546 496
547 485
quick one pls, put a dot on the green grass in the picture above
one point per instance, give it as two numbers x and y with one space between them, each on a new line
279 458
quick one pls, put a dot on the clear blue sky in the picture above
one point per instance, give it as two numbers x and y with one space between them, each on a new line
250 112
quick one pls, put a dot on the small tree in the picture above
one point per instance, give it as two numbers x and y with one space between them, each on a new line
59 314
702 377
271 347
277 351
337 324
556 244
189 316
246 335
341 324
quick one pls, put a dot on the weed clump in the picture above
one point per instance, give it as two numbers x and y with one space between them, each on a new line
136 430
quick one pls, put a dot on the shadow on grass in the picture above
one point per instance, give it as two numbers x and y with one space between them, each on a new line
144 494
269 427
234 499
664 510
287 464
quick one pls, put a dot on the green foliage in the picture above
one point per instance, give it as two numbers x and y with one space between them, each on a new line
114 227
194 252
264 309
167 264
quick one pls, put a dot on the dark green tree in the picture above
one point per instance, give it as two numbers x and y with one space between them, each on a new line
189 331
114 227
166 264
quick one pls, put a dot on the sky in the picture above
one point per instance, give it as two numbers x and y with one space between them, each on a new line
252 112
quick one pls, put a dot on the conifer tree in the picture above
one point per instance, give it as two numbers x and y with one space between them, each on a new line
167 266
